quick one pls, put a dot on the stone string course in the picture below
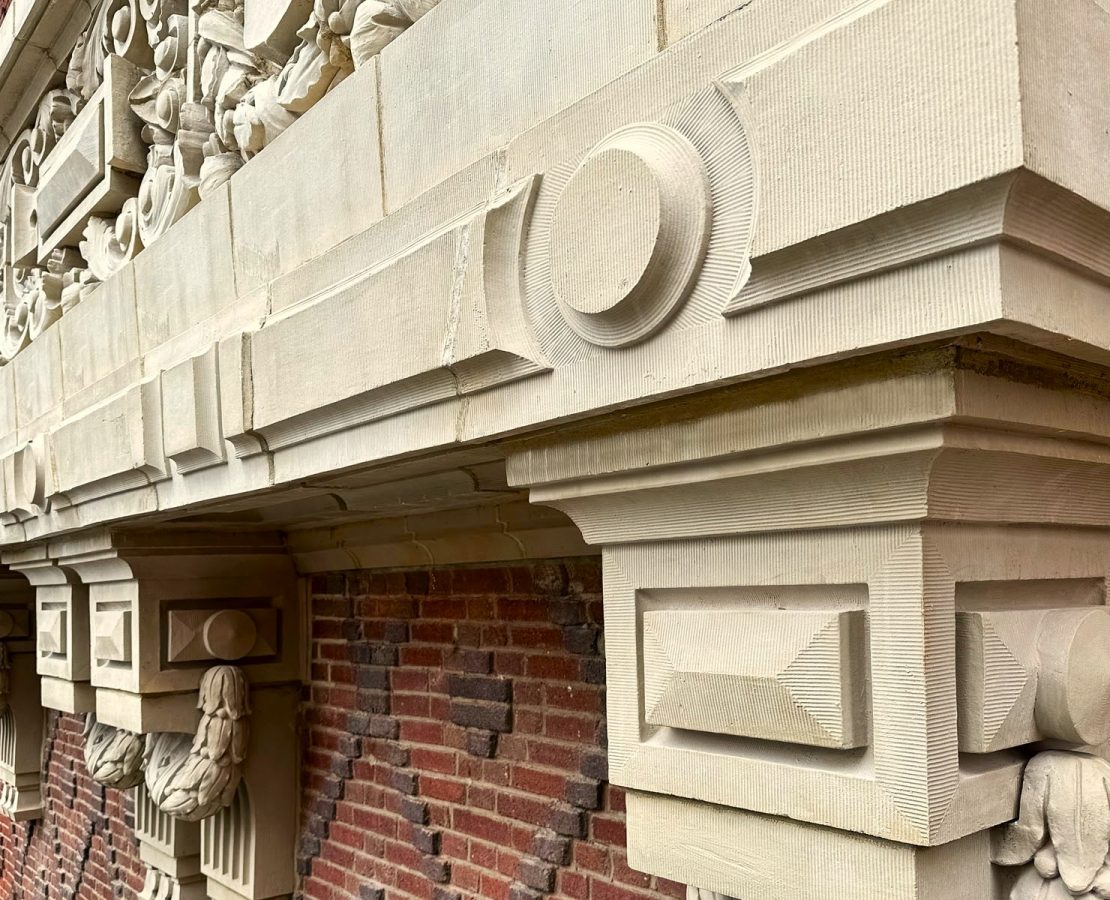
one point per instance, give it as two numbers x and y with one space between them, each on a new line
455 739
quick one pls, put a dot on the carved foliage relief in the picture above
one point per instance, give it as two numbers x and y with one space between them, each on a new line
1061 837
162 101
187 777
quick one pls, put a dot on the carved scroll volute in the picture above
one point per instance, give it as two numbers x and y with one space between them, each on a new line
109 244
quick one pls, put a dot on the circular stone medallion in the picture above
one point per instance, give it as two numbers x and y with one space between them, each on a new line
629 234
229 634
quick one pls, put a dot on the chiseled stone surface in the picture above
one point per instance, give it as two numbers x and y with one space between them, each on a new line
795 311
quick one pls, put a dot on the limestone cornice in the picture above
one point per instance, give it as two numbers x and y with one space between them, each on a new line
284 359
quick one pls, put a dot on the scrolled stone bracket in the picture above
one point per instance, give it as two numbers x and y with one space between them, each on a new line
193 780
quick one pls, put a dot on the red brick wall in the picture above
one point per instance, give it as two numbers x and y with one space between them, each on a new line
83 848
455 739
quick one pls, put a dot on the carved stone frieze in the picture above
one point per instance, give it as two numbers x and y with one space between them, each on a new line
163 101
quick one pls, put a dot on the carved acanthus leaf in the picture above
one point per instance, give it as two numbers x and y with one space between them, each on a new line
109 244
376 24
113 756
1062 834
193 779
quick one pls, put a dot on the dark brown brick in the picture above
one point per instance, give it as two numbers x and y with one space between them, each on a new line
415 811
405 782
567 820
481 743
425 840
595 764
581 640
436 869
475 687
476 662
536 874
551 847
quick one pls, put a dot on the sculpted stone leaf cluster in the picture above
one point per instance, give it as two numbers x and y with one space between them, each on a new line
187 777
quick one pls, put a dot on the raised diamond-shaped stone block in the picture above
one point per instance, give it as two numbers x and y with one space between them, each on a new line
113 635
52 631
778 675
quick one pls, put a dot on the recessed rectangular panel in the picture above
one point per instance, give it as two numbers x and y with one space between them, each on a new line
780 675
78 166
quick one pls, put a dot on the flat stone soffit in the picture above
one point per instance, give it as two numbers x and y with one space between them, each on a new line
250 410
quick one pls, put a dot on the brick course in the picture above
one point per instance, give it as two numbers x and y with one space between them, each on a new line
84 846
455 739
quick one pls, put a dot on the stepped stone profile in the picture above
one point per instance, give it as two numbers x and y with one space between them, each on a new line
461 449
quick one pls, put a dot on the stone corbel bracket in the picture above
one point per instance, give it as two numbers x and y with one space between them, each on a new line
190 644
230 841
211 805
840 612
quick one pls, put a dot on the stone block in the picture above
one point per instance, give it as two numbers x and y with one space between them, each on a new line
462 330
799 679
174 293
1028 675
191 426
94 167
111 447
101 341
281 222
38 383
771 858
443 106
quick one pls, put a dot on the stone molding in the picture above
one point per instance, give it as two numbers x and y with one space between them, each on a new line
197 402
825 384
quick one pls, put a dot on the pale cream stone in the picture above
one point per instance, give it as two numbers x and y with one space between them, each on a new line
841 607
191 423
177 289
445 106
100 344
38 385
279 222
769 859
